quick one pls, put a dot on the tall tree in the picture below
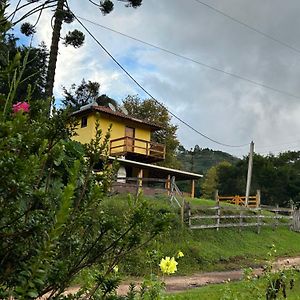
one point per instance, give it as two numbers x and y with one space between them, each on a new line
62 14
151 111
85 93
32 84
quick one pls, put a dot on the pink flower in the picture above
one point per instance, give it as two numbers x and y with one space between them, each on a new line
21 106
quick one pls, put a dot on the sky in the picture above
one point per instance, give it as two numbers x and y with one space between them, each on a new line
223 107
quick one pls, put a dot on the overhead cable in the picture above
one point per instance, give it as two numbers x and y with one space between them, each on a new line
143 89
274 39
240 77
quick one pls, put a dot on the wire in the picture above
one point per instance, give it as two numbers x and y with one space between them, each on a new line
240 77
143 89
249 27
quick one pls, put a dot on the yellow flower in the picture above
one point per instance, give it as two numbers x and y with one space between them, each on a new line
168 265
180 254
116 269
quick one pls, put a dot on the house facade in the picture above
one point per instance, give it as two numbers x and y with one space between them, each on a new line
131 145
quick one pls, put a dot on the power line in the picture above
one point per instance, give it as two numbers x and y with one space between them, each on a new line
240 77
143 89
274 39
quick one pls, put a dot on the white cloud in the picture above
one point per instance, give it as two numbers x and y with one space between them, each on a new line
225 108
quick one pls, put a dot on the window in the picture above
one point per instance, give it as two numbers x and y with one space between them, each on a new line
84 121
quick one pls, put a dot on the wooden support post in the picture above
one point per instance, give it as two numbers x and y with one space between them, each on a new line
168 185
139 182
193 188
258 198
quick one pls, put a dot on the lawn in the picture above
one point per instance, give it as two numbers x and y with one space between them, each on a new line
250 290
208 250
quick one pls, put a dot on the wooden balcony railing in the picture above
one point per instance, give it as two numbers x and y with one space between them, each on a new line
128 145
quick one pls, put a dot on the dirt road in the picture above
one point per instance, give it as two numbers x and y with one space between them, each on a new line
180 283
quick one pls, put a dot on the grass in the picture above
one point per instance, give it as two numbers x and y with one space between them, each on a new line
250 290
208 250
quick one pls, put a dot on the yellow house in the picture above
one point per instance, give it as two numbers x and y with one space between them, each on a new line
130 142
130 137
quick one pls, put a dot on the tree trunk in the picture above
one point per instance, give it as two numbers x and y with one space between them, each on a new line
54 48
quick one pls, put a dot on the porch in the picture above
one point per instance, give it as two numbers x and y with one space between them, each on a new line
137 149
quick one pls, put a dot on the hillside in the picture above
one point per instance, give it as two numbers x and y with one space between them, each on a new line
205 250
199 160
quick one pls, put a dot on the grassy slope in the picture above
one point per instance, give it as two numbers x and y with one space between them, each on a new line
234 290
208 250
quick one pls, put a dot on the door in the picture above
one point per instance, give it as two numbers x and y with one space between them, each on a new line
130 134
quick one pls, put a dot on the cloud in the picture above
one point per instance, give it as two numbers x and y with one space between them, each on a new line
227 109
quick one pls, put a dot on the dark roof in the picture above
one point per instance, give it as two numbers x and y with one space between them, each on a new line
108 111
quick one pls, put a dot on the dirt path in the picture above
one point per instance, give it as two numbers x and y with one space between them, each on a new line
180 283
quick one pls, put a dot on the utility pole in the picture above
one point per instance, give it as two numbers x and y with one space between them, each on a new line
249 175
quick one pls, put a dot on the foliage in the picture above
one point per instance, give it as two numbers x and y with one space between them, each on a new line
84 94
155 113
210 182
53 223
276 176
269 285
62 14
200 160
34 76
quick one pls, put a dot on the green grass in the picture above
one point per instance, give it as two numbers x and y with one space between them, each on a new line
250 290
208 250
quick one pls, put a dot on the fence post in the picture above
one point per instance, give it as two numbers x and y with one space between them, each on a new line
258 221
241 220
218 214
292 214
182 212
217 197
276 217
258 198
189 216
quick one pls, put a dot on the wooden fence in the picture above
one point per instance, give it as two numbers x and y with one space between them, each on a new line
239 217
253 201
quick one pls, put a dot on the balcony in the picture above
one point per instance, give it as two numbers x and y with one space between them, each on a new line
137 149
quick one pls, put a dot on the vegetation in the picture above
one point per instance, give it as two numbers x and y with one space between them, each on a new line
209 250
200 160
156 113
84 94
53 222
276 176
62 14
235 290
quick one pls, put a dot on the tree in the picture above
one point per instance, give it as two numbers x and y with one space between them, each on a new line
155 113
54 220
211 179
85 93
35 72
62 14
210 183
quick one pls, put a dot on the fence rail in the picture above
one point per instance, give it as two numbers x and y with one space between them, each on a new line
241 217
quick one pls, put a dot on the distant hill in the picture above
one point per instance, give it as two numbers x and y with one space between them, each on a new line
199 160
